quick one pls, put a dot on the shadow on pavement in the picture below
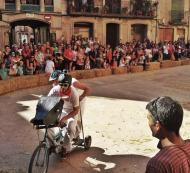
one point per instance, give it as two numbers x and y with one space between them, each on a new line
95 160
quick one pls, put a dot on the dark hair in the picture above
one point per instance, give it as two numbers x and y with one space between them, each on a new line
167 111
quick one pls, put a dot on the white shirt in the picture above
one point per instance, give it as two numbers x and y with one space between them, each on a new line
49 66
70 102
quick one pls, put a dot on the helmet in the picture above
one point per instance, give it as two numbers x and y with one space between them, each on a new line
65 80
54 75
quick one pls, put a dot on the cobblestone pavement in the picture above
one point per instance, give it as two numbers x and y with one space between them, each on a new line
115 117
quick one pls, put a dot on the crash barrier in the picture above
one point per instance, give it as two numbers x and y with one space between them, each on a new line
30 81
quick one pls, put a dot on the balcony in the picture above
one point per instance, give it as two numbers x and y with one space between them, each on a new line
10 6
147 8
109 11
30 7
86 10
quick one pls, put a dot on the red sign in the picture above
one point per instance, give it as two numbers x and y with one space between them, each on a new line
47 17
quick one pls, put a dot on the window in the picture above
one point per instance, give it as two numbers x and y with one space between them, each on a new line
114 6
35 2
10 1
177 13
48 2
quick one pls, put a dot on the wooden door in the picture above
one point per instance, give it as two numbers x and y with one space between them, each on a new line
166 34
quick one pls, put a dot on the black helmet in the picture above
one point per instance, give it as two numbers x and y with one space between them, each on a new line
54 75
65 79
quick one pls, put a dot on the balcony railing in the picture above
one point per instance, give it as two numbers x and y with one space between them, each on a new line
106 11
10 6
30 7
49 8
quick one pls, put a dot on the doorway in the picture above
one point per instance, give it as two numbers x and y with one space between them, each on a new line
34 31
112 34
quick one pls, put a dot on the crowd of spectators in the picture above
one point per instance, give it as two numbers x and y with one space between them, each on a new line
84 54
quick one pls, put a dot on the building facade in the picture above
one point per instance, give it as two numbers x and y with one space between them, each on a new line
110 21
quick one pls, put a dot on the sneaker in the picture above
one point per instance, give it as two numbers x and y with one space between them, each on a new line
68 148
51 150
63 153
75 140
78 141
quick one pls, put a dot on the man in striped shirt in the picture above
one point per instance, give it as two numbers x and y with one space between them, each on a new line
165 117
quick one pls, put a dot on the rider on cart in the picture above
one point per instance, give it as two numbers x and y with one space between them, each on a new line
70 110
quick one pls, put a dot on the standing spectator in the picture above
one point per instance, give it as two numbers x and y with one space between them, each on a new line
74 57
123 61
165 51
26 52
40 57
155 53
68 57
38 62
171 51
80 60
87 48
30 65
117 54
3 72
92 56
109 54
48 49
87 63
50 66
165 117
16 64
1 57
7 57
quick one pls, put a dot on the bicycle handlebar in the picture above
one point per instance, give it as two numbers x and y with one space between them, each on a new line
48 126
45 126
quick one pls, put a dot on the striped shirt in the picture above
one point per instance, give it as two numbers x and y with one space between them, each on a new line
172 159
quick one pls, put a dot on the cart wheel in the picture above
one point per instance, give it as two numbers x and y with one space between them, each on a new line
40 160
87 142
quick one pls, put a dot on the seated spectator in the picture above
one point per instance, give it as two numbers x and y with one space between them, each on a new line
3 72
165 117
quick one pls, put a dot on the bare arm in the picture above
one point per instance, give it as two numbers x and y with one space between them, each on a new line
70 115
84 87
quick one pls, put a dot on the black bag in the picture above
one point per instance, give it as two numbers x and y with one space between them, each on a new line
48 110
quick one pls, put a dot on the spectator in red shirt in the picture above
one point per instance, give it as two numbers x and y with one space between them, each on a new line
165 117
68 57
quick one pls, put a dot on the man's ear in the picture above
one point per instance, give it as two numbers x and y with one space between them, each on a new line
158 125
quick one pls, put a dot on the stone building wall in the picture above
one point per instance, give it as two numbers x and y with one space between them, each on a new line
63 24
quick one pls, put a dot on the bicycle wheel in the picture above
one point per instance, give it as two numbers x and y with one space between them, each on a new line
39 160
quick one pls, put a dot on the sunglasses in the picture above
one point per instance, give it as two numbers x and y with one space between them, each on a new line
64 85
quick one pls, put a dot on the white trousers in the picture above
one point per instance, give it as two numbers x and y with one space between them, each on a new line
72 131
